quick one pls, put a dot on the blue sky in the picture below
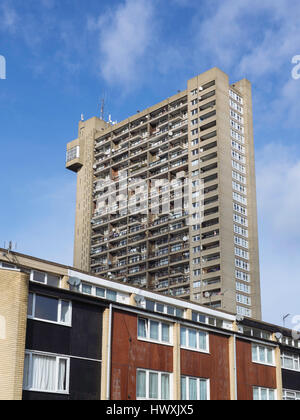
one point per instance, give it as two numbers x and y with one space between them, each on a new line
64 55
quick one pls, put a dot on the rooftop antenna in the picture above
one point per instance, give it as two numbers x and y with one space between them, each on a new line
284 318
102 109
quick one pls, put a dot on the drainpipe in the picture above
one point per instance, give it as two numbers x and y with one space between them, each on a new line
235 367
109 354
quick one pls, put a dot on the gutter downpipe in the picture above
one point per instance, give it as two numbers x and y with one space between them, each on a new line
109 354
235 367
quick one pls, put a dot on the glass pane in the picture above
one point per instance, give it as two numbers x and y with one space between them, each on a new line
170 310
203 389
262 354
39 277
150 305
26 372
142 331
183 336
100 292
202 341
254 353
192 339
264 394
271 395
46 308
153 385
86 289
43 373
194 316
62 375
165 333
141 384
160 308
183 389
30 304
154 330
65 312
53 280
270 355
111 295
192 389
255 394
165 387
179 313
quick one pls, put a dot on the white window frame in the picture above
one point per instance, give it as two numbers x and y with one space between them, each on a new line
46 277
160 324
159 373
296 395
94 291
197 349
187 378
58 358
59 306
260 389
295 358
266 349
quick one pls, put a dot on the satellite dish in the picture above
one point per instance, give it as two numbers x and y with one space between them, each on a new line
74 281
138 299
185 238
239 318
207 295
278 335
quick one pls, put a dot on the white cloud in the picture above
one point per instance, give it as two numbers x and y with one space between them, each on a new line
278 193
8 17
125 37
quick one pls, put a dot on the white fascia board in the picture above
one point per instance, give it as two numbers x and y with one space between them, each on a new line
127 289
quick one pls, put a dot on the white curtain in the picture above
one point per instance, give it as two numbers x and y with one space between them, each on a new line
62 371
202 341
142 330
153 385
183 389
43 373
26 372
154 330
203 389
165 333
141 385
165 387
65 312
193 389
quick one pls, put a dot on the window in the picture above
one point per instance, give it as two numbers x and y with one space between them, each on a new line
243 288
262 354
8 266
194 339
264 394
242 264
46 373
45 278
72 154
153 330
45 308
290 361
242 276
244 311
170 310
151 385
194 389
291 395
245 300
89 289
